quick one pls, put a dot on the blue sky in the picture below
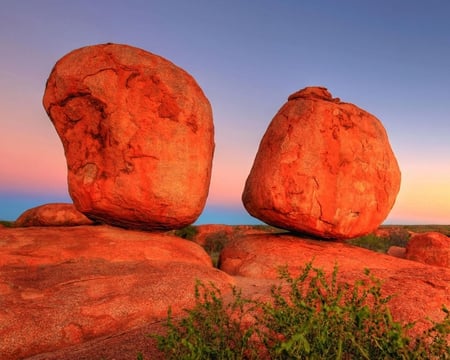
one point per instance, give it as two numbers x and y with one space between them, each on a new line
390 58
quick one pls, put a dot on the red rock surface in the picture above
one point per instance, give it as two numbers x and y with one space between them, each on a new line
397 251
138 136
230 232
419 290
55 214
324 167
431 248
68 285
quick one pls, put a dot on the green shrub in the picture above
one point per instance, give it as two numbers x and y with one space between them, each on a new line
211 330
214 243
308 317
187 232
397 237
7 223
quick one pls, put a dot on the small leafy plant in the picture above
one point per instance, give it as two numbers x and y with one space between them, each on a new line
211 330
311 316
188 232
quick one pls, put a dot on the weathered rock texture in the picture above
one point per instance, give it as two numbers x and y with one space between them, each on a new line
323 167
419 290
67 285
56 214
431 248
137 133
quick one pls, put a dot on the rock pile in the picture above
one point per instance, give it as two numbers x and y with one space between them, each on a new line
137 133
324 167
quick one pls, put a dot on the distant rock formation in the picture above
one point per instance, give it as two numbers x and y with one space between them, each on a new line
55 214
431 248
138 136
324 167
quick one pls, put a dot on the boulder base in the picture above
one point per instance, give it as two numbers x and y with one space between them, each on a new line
64 286
419 291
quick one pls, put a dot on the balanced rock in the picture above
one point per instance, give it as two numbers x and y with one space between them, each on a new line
431 248
324 167
55 214
137 133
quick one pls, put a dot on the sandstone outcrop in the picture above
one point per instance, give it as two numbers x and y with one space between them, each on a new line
137 133
55 214
431 248
65 286
419 290
324 167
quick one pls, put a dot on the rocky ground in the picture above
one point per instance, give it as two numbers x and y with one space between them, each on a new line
96 291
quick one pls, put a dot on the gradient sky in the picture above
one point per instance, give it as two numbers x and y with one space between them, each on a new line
391 58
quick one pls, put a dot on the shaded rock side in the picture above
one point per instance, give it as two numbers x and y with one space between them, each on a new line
54 214
323 167
137 133
419 291
65 286
431 248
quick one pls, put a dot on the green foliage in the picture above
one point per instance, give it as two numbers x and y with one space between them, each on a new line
187 232
211 330
214 243
311 316
397 237
7 223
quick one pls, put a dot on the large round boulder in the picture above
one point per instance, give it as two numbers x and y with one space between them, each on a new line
324 167
138 136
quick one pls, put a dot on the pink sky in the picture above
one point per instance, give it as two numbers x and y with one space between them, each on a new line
388 59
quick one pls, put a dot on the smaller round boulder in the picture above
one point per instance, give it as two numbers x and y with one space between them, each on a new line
54 214
432 248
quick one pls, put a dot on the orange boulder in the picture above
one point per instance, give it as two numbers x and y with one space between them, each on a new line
431 248
324 167
138 136
55 214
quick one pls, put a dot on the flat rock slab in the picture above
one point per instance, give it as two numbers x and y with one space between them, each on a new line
65 286
419 290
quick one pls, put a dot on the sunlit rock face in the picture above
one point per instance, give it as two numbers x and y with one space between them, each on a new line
63 286
138 136
431 248
418 290
324 167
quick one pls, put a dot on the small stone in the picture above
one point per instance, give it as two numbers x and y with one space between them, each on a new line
55 214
